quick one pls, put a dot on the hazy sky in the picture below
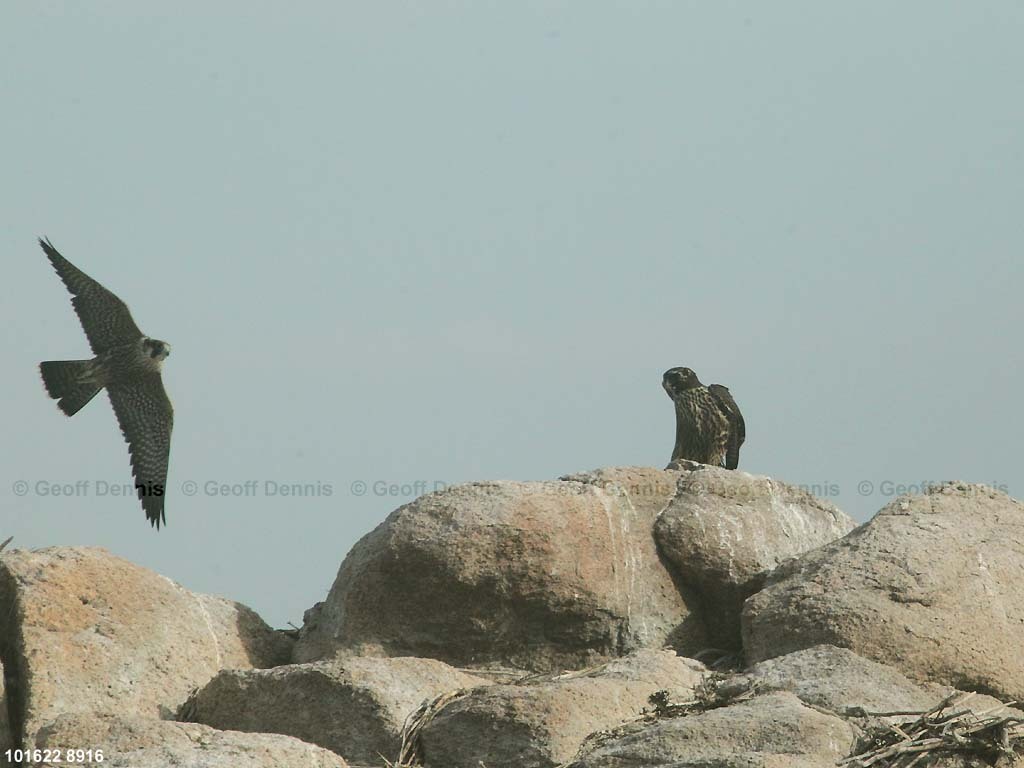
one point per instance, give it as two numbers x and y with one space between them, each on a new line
391 244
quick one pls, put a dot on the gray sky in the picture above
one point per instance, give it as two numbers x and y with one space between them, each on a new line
396 245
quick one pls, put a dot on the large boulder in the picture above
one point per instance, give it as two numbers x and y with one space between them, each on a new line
87 632
933 585
772 731
536 575
125 741
542 724
355 707
724 531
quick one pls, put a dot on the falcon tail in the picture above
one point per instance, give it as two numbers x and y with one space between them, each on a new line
63 381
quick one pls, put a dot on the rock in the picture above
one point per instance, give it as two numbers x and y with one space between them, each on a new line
544 723
90 632
933 585
839 680
772 731
538 575
725 530
648 490
6 737
140 742
355 707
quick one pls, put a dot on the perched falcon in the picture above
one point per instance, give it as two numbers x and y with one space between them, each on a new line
709 426
128 364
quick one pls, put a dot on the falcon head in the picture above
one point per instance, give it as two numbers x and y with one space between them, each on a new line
155 349
678 380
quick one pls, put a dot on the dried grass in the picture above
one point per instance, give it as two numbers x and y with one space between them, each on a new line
709 694
947 729
410 755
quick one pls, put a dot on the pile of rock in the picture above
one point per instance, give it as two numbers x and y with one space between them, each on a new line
551 623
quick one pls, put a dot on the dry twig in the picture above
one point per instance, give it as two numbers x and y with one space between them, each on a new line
410 754
946 729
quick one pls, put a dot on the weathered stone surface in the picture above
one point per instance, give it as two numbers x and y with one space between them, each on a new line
354 707
839 680
6 739
725 530
138 742
541 575
772 731
90 632
933 585
544 723
647 489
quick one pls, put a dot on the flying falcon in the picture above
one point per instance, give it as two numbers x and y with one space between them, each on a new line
128 364
709 426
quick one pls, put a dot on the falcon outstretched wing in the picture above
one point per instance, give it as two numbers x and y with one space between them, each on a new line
144 412
104 317
737 428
